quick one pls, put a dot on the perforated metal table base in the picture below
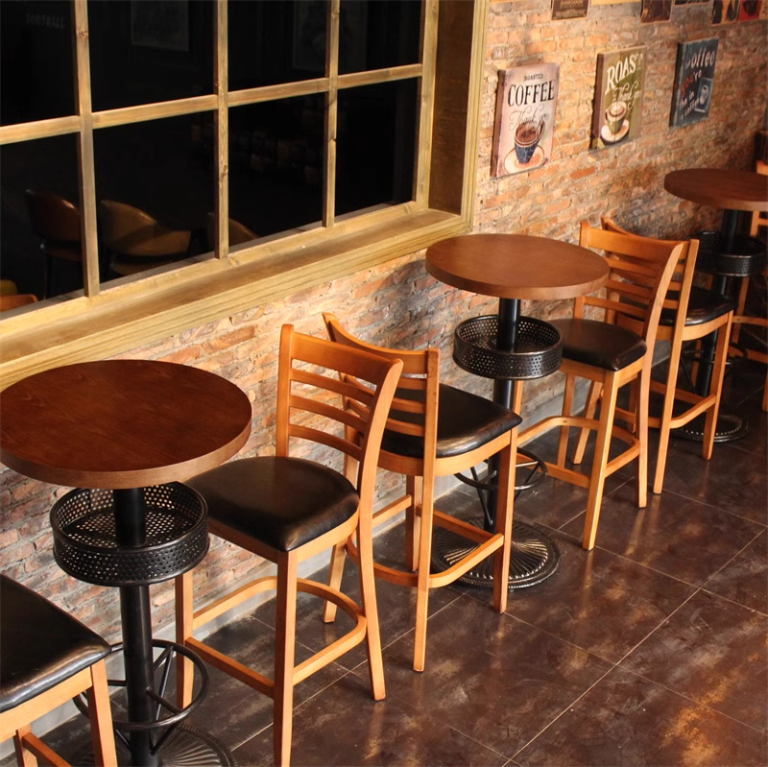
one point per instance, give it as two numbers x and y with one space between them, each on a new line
729 428
534 557
187 747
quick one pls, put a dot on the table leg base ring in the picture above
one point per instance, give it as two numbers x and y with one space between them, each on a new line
729 428
187 747
534 556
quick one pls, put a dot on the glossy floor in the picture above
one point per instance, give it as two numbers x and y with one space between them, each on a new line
649 650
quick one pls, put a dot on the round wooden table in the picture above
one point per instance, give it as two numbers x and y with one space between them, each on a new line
124 425
736 192
514 267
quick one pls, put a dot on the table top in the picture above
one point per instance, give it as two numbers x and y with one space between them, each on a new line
516 266
120 424
720 187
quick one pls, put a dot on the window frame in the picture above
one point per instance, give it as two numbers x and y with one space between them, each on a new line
109 319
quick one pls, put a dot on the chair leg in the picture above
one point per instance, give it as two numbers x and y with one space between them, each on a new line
590 408
414 487
99 712
335 574
716 388
285 650
370 609
504 518
602 449
422 576
666 415
562 448
643 388
185 670
24 758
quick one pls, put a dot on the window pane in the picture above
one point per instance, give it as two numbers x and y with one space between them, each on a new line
275 164
375 148
165 170
375 34
143 52
36 76
48 168
276 42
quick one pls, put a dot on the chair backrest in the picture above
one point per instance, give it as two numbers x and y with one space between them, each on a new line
15 300
52 217
679 291
414 407
129 231
313 373
238 233
641 272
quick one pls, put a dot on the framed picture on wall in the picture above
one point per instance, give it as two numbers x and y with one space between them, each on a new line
654 11
526 102
725 11
750 10
618 105
569 9
694 81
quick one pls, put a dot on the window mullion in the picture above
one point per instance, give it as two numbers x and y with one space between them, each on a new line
89 244
426 101
221 128
331 112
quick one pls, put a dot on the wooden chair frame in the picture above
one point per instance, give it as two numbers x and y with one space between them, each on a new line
16 722
294 407
421 373
676 300
641 272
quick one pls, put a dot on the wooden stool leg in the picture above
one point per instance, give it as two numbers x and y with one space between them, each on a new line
422 576
285 651
24 758
562 449
414 486
590 408
185 670
335 574
504 518
99 712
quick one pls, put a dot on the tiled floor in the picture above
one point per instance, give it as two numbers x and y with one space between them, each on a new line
649 650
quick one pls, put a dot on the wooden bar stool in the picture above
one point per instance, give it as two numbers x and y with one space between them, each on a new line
47 658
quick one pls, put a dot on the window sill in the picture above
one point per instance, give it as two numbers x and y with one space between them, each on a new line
131 315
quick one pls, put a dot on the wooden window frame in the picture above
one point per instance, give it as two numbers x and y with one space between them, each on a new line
101 321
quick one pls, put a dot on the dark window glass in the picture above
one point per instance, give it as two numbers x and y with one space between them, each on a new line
375 34
375 147
276 42
143 52
165 169
36 73
276 161
48 168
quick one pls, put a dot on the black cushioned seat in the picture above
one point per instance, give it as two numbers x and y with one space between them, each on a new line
465 421
283 502
599 344
40 645
703 306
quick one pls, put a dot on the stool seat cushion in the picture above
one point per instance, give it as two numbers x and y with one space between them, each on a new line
465 421
281 501
703 306
599 344
40 645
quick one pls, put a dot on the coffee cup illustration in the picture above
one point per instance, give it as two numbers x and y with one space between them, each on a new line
615 115
527 135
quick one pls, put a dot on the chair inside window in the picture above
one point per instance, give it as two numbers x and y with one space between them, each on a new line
46 659
287 509
57 221
15 300
137 241
435 430
238 233
689 314
610 351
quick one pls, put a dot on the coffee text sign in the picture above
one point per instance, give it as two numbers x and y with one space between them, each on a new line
694 81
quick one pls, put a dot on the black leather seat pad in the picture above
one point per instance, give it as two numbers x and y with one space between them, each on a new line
703 306
40 645
599 344
282 502
465 421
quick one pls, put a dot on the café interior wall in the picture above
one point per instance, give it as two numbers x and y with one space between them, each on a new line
399 304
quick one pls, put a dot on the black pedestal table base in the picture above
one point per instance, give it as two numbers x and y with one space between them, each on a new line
729 428
533 559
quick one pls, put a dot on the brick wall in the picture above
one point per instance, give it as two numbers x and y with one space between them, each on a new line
398 303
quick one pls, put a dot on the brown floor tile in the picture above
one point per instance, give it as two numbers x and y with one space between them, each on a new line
599 601
745 578
714 652
628 720
492 677
672 534
344 726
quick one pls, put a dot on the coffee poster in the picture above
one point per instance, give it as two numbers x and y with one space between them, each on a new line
526 102
694 79
619 90
569 9
749 10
